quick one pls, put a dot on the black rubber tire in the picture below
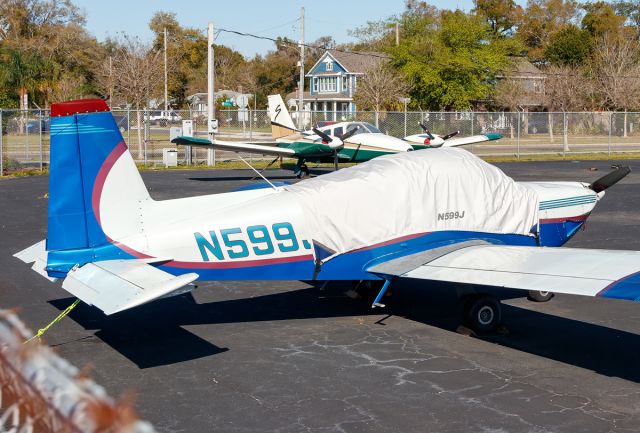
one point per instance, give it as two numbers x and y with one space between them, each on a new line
539 296
483 313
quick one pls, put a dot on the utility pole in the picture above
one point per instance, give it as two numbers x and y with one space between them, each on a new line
301 85
166 91
211 113
397 34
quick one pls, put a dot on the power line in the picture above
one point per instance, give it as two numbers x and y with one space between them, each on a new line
266 38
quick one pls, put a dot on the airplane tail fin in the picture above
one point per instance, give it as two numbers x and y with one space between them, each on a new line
89 157
281 123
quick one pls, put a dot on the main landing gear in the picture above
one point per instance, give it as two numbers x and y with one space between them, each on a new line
301 169
482 313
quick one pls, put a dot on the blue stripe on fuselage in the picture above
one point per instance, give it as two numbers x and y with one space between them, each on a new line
348 266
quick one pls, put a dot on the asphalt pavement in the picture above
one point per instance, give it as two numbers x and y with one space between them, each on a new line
289 357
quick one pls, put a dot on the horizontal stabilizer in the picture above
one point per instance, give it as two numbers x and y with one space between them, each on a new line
36 254
118 285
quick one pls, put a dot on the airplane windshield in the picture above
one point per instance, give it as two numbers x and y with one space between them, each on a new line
363 128
371 128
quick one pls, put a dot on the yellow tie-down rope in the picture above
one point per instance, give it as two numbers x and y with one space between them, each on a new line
41 331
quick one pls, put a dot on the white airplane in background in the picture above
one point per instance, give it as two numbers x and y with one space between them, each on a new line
428 140
436 215
338 142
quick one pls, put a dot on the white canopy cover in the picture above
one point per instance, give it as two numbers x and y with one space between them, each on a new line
411 193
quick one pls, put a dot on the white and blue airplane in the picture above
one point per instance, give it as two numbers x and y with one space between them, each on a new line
436 215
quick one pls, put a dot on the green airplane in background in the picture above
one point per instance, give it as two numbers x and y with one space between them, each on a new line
352 141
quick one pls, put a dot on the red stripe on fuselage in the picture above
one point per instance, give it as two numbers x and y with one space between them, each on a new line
239 263
575 219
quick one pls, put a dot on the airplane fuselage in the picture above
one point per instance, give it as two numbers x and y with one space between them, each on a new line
263 234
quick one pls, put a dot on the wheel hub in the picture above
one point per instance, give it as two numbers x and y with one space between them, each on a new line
485 315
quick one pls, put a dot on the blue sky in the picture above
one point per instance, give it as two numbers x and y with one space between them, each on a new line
267 18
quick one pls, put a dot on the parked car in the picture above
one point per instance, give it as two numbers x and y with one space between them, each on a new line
163 118
28 125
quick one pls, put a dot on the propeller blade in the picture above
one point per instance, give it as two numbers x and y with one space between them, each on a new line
335 160
425 129
348 134
448 136
610 179
326 139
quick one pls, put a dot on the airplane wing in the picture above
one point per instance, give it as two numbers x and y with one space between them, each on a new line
454 142
605 273
234 146
117 285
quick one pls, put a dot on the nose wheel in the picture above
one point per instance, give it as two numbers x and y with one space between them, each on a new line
482 313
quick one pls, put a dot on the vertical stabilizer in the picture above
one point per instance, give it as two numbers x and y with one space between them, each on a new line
85 145
281 123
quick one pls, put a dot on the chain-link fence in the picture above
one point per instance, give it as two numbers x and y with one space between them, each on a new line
24 138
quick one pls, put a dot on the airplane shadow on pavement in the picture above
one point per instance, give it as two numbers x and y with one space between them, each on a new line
144 334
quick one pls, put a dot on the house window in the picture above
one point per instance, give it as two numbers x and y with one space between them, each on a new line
329 66
345 83
315 85
327 84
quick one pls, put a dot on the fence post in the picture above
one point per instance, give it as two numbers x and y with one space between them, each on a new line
40 138
405 120
610 128
25 116
1 155
129 127
146 132
518 135
472 117
564 133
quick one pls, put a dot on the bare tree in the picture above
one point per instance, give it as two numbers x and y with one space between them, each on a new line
616 72
509 93
566 88
380 88
135 73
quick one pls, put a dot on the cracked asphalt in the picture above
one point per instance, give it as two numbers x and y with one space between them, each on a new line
289 357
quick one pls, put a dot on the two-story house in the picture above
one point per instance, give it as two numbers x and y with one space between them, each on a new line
333 80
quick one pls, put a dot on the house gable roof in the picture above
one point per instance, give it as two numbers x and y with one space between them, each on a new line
356 62
524 68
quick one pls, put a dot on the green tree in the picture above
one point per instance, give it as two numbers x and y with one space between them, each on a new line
569 46
502 15
186 56
543 18
51 34
601 19
454 63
